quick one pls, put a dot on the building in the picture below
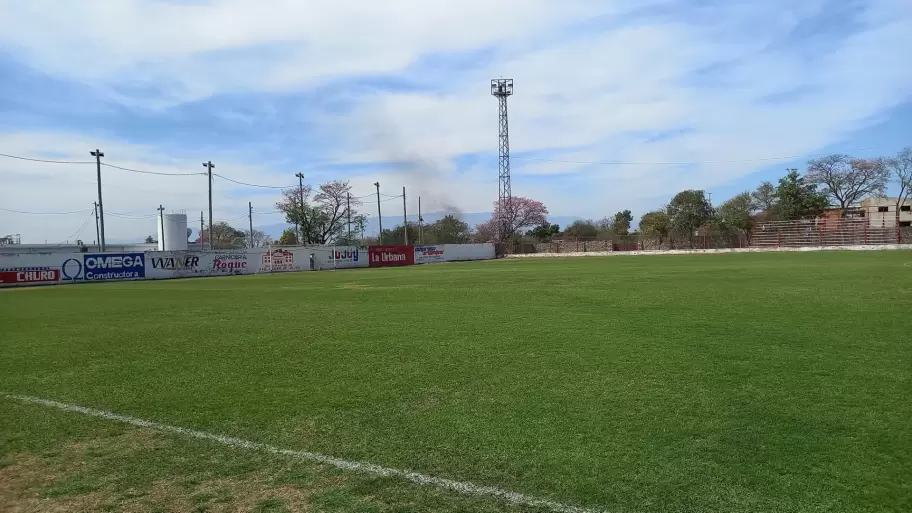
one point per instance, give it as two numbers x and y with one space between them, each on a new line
881 212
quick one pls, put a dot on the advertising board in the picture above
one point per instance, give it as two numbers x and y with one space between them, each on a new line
231 263
429 254
182 264
391 256
104 267
457 252
174 261
279 260
29 275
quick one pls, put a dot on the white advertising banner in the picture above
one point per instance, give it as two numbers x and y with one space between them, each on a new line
430 254
185 264
340 257
280 260
459 252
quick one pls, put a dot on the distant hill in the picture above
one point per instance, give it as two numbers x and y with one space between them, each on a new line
472 219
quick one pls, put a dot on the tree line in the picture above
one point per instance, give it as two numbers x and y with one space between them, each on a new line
330 214
834 181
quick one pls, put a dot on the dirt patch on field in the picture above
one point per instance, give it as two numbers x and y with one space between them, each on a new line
354 286
68 481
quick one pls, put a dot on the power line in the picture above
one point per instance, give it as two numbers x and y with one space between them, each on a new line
132 216
520 157
81 228
255 185
46 160
46 213
150 172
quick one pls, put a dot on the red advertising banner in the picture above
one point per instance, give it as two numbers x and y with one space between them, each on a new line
29 275
389 256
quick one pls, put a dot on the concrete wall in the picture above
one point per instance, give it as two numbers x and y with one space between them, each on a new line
57 267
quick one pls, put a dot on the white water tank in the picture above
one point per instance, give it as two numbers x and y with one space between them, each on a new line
172 232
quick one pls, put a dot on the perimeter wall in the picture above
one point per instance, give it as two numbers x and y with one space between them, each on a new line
36 268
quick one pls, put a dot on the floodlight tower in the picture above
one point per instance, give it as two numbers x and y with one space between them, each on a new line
501 88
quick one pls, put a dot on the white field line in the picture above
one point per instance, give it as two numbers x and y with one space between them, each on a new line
357 466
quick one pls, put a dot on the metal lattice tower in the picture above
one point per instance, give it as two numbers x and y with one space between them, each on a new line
502 88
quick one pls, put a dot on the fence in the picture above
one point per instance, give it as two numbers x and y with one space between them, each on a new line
775 234
826 232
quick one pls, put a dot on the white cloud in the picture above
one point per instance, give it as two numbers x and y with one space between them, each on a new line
588 94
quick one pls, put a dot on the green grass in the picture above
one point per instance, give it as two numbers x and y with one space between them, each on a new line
736 383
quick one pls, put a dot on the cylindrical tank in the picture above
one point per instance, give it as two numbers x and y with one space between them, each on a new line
172 232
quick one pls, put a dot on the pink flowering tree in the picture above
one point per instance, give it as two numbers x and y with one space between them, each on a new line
525 213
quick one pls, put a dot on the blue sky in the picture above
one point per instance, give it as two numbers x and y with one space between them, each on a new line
398 92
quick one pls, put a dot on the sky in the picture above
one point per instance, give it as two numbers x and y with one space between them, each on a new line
618 104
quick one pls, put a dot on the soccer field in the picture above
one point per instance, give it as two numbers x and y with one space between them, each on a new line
735 383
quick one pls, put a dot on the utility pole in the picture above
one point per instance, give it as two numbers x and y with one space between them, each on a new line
404 219
209 165
420 220
348 213
201 230
250 218
379 215
97 232
161 216
101 237
301 211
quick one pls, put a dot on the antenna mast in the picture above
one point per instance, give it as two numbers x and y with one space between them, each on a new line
501 88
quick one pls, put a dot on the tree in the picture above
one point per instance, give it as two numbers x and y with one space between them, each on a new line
544 232
582 228
735 214
900 167
395 236
605 225
524 213
485 232
688 211
655 224
224 236
448 230
150 240
324 217
796 199
260 239
764 199
620 224
288 238
848 180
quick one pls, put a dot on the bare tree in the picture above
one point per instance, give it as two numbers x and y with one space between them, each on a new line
900 167
322 218
259 239
847 180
